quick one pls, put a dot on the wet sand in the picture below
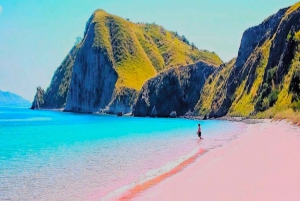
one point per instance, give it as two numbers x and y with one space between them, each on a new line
261 164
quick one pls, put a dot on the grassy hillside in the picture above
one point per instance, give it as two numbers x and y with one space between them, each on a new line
116 36
213 92
168 49
244 97
264 80
275 88
139 51
288 92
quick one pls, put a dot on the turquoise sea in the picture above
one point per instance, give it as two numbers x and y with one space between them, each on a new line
52 155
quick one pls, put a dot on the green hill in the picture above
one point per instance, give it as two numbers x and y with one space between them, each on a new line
264 79
213 94
113 61
139 51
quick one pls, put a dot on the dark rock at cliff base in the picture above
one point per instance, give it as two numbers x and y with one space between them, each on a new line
153 112
189 113
177 89
173 114
123 100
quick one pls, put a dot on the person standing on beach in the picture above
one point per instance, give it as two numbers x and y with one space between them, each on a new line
199 131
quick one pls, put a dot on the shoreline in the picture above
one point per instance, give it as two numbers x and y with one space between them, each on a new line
246 120
129 191
255 164
133 189
261 164
152 182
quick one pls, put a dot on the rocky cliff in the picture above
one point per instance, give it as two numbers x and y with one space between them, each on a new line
264 76
122 100
38 101
93 77
105 72
56 94
173 92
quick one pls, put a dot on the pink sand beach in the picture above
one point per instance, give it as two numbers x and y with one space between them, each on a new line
261 164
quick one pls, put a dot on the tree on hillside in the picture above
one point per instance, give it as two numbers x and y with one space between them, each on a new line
78 40
193 46
185 40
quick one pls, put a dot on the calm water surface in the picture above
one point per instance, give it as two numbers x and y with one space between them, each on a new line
50 155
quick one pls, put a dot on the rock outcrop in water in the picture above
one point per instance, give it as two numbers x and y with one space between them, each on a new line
38 101
173 92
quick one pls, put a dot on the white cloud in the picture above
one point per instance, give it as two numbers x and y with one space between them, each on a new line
0 9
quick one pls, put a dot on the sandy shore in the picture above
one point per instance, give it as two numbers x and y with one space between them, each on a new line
261 164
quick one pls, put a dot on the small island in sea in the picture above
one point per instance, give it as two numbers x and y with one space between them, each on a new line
72 145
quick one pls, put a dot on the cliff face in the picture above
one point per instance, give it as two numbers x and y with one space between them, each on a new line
56 94
212 100
122 100
260 78
256 36
38 101
93 78
105 72
174 90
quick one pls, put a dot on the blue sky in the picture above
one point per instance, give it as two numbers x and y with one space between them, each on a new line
36 35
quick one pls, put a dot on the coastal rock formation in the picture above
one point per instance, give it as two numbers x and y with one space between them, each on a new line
173 114
119 64
38 99
213 101
260 78
256 36
56 94
107 69
174 91
122 100
93 77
